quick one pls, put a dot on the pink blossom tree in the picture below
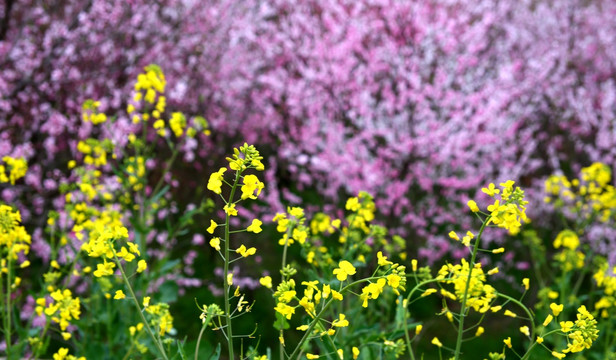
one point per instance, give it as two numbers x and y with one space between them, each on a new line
418 102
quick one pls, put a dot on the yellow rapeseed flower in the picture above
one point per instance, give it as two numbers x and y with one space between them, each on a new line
344 269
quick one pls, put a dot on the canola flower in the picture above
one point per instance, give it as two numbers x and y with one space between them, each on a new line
245 158
63 308
13 169
62 354
318 297
14 246
590 196
468 278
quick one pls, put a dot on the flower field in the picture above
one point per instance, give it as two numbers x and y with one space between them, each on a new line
307 179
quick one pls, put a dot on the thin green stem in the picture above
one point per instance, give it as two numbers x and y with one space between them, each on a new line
466 287
139 310
284 264
132 346
8 330
317 317
199 340
226 288
406 302
526 310
534 342
39 345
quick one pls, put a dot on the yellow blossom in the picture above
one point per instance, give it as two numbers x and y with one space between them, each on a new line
141 266
344 269
490 190
509 313
215 181
215 243
266 281
119 294
255 226
230 209
507 342
473 206
548 320
437 342
355 353
252 187
341 321
284 309
212 227
556 308
382 260
418 329
246 252
230 279
480 331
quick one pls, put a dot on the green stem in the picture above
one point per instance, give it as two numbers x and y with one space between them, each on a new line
534 342
8 308
581 277
526 310
317 317
39 345
199 339
226 288
406 327
471 265
139 310
132 346
284 263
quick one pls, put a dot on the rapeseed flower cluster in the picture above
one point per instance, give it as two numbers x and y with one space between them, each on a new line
606 281
14 239
580 333
62 354
362 210
62 309
90 113
569 257
102 243
480 295
326 240
292 225
149 89
589 196
241 188
135 173
12 169
509 208
149 103
161 318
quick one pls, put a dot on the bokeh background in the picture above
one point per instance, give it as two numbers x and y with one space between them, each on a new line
420 103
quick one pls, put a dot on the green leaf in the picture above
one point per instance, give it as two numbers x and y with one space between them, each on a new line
281 323
216 354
